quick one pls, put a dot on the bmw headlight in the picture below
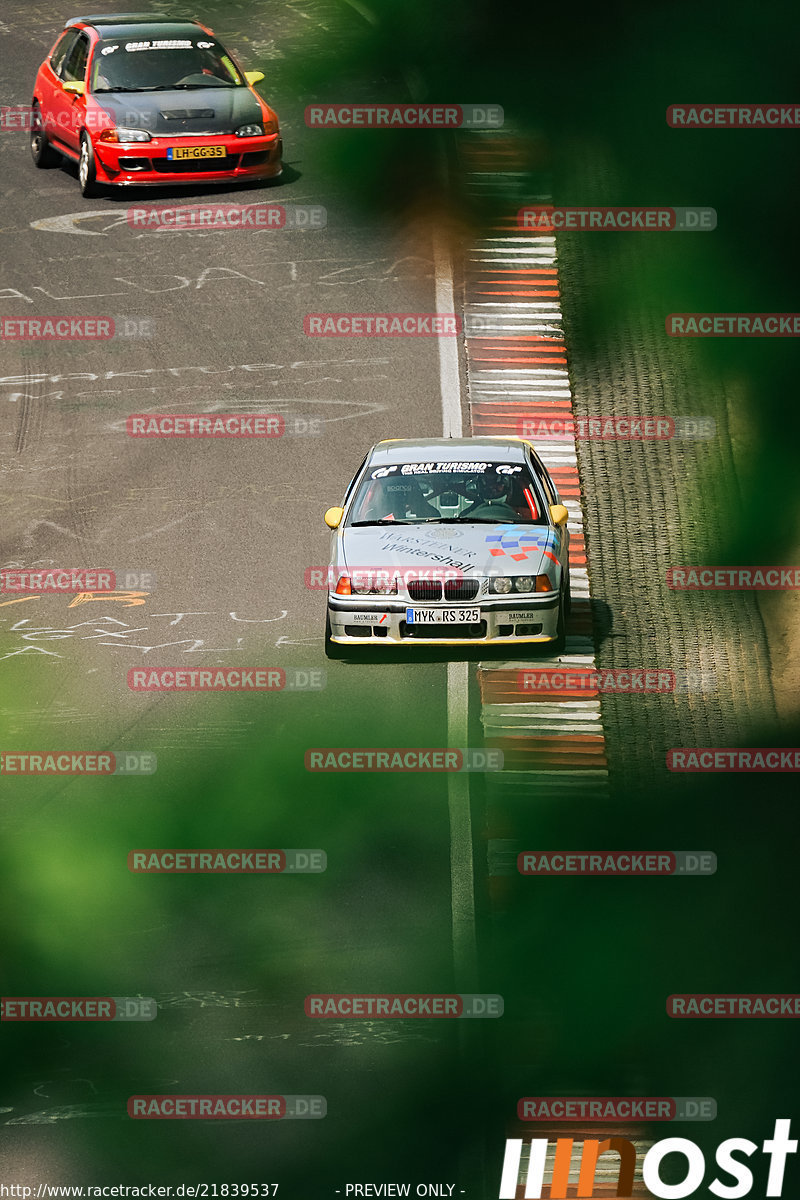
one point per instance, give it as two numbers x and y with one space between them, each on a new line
501 585
379 589
373 583
254 130
523 583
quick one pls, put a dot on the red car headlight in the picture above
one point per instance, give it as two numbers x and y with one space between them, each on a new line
124 135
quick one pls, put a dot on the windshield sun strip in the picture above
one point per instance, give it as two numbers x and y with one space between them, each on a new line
532 493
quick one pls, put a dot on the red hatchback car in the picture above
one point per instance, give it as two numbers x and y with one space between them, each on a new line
141 99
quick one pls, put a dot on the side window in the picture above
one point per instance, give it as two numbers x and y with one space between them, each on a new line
75 65
352 485
63 46
553 489
548 487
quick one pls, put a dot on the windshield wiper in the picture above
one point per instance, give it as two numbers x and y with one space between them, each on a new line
168 87
388 521
191 87
439 521
475 520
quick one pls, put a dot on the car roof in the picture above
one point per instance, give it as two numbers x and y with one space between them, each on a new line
480 449
113 25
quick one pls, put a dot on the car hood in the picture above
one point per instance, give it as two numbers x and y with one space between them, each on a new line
472 549
208 110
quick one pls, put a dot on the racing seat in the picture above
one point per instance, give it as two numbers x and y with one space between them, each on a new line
401 499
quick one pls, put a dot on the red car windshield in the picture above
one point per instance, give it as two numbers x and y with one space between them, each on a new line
448 492
161 64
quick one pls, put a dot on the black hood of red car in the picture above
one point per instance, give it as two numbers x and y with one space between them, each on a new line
214 110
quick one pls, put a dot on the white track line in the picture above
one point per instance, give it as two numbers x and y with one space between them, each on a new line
462 883
450 383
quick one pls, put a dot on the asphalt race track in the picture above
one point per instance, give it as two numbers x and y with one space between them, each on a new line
215 542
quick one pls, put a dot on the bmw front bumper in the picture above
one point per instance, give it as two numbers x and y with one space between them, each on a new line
362 620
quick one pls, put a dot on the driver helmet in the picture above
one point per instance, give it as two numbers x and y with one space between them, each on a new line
492 486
